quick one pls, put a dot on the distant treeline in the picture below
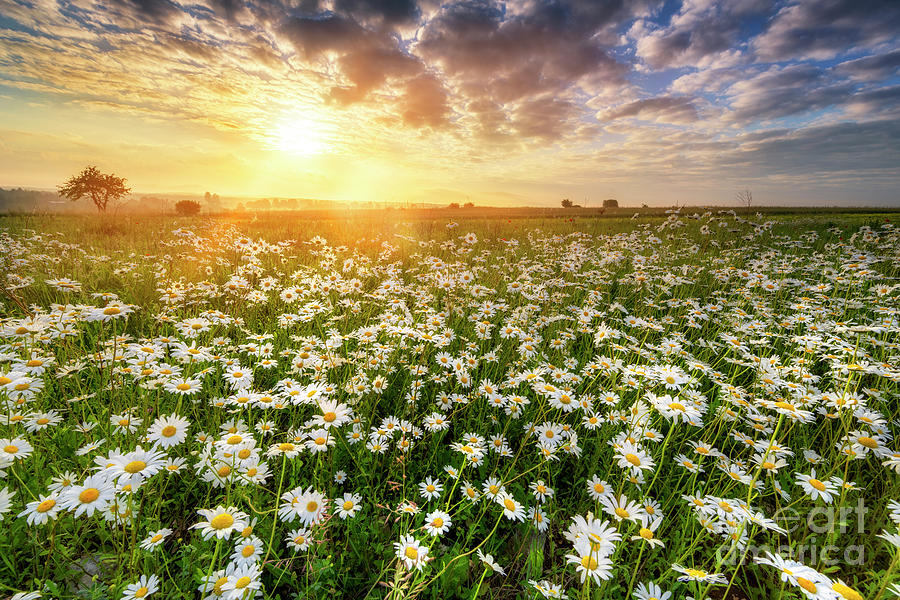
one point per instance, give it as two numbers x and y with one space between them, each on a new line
20 200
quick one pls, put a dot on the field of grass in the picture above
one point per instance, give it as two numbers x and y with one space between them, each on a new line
437 404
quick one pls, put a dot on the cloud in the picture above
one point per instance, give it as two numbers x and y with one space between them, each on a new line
701 33
823 29
664 109
522 89
871 68
424 103
785 91
511 62
826 149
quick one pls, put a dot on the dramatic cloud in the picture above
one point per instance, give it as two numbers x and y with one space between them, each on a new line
823 29
428 94
665 109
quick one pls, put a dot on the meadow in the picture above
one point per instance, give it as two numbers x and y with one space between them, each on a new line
439 404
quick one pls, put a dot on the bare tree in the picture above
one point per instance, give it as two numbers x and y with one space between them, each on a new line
100 187
745 198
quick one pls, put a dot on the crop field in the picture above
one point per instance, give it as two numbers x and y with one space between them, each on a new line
422 405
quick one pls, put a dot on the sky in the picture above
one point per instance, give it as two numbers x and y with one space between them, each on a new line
523 102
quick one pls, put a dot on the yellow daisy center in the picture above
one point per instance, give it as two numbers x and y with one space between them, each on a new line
135 466
89 495
222 521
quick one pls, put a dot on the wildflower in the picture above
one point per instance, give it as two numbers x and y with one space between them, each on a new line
437 522
144 587
42 510
220 522
690 574
430 489
411 553
348 506
155 539
490 563
95 494
168 431
815 488
298 539
306 504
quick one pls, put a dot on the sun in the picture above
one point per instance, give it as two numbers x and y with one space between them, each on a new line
301 134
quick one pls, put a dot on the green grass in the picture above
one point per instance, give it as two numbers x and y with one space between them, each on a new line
657 280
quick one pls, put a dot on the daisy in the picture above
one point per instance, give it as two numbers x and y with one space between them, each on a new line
15 448
411 553
699 575
42 420
220 522
125 423
598 488
651 591
790 571
512 509
591 565
135 467
538 518
334 414
431 488
96 493
306 504
155 539
183 386
548 589
437 522
647 533
168 431
541 492
319 440
493 488
144 587
632 456
298 539
58 484
348 506
247 550
42 510
6 497
814 488
238 377
490 563
244 583
621 508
